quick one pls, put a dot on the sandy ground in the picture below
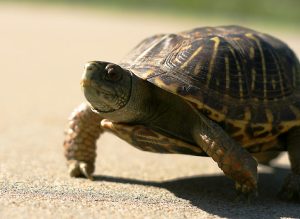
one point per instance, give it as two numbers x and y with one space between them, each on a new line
42 52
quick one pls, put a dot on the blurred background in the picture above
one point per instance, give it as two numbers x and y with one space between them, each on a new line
271 12
43 47
46 43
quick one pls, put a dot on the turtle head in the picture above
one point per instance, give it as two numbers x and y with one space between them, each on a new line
106 86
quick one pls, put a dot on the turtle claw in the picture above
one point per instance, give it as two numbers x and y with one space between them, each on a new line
79 169
291 188
245 193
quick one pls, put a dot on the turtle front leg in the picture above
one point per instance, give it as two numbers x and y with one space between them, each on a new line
231 157
291 187
80 141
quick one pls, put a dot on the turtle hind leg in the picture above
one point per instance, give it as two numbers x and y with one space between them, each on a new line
80 141
291 186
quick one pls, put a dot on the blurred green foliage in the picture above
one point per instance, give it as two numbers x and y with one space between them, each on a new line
271 11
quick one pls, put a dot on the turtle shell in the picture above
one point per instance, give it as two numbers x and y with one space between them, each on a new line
248 82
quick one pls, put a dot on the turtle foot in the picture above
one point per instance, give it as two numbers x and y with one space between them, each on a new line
245 193
290 190
80 169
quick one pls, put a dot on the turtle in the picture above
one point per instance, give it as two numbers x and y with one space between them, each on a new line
227 92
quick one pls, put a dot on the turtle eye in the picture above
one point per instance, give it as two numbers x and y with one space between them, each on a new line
113 75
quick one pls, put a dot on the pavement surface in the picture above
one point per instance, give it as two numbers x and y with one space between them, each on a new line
42 52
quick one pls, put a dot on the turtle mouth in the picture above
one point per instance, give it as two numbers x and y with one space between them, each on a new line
103 108
86 83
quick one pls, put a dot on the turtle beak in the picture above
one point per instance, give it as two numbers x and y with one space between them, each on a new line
89 81
92 72
85 83
89 70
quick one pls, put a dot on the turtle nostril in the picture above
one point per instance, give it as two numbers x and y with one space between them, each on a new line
90 71
89 66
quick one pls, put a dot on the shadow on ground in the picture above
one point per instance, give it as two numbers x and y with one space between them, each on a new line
215 195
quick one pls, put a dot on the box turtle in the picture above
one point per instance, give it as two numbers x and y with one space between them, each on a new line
227 92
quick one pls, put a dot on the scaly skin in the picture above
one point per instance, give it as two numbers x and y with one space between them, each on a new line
80 141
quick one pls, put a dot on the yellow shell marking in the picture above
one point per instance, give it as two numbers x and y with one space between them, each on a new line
171 87
263 62
227 68
147 73
253 74
252 53
159 82
269 115
239 71
273 84
211 64
192 57
247 114
236 38
280 76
